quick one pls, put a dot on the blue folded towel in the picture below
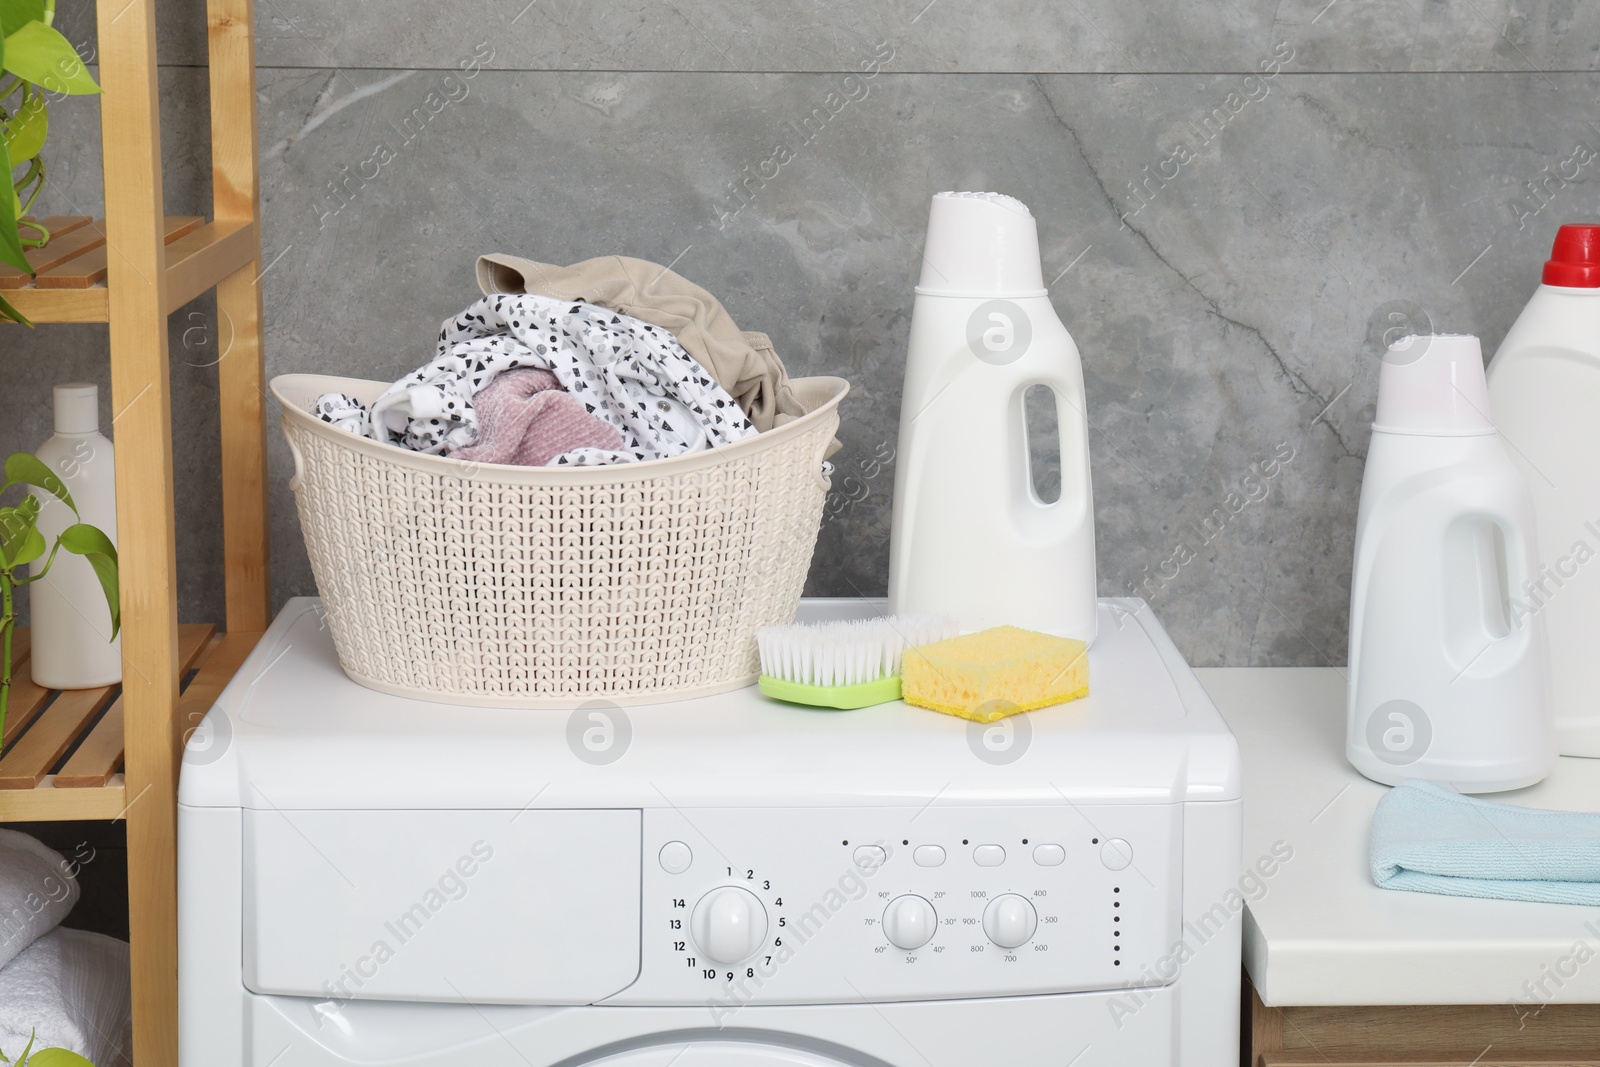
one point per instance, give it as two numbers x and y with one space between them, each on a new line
1427 838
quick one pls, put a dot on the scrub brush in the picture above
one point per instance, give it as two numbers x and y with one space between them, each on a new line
843 664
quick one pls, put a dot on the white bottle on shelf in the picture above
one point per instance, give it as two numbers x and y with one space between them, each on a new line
1545 385
71 623
1449 669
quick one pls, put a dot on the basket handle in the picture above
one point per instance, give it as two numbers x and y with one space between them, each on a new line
299 463
821 456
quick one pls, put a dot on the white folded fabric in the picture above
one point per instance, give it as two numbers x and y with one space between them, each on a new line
37 890
70 989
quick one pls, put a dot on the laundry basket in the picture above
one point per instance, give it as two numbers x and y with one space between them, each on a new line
529 587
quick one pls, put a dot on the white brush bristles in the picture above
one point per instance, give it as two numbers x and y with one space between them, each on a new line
847 653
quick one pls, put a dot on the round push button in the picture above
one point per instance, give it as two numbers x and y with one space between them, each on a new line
1116 854
928 856
988 855
1049 855
868 856
676 857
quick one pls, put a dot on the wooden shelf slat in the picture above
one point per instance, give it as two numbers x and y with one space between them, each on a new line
27 699
100 755
55 797
59 226
60 250
90 268
26 763
197 258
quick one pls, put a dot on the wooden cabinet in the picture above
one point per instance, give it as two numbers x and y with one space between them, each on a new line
1424 1035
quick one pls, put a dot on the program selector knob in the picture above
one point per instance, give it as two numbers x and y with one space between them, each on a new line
909 922
1010 920
728 924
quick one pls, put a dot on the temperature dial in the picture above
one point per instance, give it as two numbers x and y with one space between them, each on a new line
909 922
729 924
1009 920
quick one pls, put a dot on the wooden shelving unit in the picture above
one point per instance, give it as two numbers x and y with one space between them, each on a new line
114 753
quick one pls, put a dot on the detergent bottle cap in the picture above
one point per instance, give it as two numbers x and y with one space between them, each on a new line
1433 385
981 244
1575 257
77 407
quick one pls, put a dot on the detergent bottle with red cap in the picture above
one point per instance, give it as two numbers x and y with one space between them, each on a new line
1544 385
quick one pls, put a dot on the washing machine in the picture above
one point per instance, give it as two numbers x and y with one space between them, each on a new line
720 882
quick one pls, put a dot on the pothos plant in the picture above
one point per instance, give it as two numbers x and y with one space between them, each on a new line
21 543
37 64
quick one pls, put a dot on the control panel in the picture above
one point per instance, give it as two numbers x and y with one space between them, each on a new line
787 906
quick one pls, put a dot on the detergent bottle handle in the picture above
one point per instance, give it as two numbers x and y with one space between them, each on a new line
1486 557
1056 522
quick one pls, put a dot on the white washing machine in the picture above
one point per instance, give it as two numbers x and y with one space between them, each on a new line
725 882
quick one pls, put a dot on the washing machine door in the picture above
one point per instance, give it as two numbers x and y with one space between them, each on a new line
720 1054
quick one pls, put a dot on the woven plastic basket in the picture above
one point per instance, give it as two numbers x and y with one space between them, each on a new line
532 587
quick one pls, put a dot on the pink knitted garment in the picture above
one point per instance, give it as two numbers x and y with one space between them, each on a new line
526 418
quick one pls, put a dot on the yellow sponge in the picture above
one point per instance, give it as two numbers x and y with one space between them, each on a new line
990 675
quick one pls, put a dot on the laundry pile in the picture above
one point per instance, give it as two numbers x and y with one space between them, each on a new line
612 360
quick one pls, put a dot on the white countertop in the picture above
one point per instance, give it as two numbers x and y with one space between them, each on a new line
1320 931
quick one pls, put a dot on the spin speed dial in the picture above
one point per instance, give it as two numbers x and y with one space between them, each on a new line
728 925
1010 920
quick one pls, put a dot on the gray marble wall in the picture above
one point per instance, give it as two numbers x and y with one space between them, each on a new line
1235 200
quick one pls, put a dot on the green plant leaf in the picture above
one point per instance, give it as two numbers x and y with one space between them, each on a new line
33 547
13 13
31 470
87 541
41 55
19 534
57 1057
10 240
26 130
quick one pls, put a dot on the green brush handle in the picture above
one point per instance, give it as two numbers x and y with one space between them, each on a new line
841 697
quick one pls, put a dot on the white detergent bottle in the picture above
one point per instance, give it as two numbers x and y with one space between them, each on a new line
71 622
971 536
1545 385
1449 672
